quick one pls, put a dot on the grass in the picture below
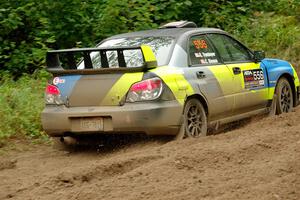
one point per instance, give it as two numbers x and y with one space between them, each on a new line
21 103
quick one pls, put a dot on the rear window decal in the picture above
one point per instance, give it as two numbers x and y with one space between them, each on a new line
203 61
254 78
213 61
200 44
198 55
209 54
206 55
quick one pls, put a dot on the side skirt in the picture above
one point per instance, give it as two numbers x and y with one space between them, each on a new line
226 120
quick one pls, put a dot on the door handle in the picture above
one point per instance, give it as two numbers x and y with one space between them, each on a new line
236 70
200 74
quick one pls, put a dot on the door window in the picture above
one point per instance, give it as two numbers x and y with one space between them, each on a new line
201 52
229 49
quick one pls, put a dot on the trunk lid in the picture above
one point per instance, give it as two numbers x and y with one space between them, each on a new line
95 90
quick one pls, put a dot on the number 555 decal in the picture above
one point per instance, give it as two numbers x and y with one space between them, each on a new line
254 78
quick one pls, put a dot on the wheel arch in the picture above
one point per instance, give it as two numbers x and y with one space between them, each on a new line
290 79
202 101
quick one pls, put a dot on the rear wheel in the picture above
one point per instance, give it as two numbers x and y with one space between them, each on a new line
284 101
194 120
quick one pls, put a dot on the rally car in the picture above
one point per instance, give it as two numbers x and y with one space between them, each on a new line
174 80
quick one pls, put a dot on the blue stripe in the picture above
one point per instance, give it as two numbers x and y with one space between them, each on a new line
275 69
67 86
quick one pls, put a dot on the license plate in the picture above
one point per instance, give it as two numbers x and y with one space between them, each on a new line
91 124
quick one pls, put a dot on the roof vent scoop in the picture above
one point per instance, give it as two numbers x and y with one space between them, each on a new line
179 24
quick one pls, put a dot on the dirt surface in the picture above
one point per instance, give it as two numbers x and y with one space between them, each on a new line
260 160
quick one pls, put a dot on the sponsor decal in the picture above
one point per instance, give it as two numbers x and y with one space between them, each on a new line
206 55
254 78
213 61
203 61
209 54
58 80
205 58
198 55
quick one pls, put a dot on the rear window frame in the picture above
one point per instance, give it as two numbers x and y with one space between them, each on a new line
172 46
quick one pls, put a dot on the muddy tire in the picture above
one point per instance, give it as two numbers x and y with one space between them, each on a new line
194 120
284 101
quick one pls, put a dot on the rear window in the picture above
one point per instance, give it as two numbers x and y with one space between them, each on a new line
161 47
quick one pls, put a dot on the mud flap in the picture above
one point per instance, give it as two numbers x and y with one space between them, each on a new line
181 131
273 106
297 96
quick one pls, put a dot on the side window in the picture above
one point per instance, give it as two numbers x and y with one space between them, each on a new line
201 52
229 49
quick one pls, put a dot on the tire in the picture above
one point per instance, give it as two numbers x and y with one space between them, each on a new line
284 100
194 120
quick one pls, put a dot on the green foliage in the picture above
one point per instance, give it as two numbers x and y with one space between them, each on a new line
21 103
281 7
29 28
132 15
73 22
218 13
23 37
278 35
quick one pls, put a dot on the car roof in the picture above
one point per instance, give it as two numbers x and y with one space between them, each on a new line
180 34
172 32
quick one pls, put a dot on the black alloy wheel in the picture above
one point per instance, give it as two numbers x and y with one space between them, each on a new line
284 96
195 120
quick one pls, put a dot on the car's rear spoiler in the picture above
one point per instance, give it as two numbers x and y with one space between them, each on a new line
54 64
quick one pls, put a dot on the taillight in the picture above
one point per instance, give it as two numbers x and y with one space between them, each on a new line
52 95
51 89
145 90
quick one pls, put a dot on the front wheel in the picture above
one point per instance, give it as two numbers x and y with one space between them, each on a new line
284 101
194 120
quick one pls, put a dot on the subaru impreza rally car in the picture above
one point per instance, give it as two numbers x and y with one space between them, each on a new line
175 80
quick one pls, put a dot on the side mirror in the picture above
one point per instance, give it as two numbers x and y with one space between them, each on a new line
259 56
149 57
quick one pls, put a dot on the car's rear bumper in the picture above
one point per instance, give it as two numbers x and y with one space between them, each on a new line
150 118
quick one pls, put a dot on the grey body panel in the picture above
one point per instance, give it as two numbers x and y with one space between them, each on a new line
220 103
90 90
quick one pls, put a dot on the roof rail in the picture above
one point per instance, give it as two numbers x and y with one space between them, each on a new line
179 24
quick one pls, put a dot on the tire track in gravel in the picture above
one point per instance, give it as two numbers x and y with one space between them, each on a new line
259 160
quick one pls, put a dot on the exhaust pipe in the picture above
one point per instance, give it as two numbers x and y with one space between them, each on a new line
68 140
